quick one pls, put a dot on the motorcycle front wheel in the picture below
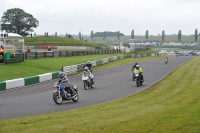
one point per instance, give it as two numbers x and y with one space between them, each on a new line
58 100
137 82
85 85
75 99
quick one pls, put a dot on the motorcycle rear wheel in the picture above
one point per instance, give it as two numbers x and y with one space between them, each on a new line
58 100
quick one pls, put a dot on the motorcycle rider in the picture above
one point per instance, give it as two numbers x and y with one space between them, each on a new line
89 65
177 54
134 65
166 58
137 67
88 73
63 80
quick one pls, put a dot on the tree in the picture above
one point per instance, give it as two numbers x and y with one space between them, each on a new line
91 35
179 35
79 35
132 34
16 20
56 34
147 34
163 35
196 35
105 35
118 35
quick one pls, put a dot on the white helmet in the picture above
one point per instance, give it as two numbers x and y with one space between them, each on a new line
88 62
137 65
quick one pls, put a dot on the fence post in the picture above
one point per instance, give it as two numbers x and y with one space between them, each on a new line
45 54
66 53
25 55
60 54
36 55
72 53
53 54
78 53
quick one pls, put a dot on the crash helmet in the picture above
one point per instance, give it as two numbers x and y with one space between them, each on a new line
137 66
88 62
61 74
135 63
86 69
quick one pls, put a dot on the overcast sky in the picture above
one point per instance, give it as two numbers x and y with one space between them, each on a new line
74 16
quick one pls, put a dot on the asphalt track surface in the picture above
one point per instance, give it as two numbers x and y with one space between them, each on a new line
110 84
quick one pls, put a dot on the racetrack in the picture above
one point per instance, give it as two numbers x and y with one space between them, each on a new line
110 84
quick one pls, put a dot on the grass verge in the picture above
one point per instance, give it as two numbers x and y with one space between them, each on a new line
172 105
44 65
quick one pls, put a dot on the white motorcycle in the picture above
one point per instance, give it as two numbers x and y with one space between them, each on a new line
88 80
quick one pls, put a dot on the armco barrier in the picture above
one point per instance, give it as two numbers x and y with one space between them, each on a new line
9 84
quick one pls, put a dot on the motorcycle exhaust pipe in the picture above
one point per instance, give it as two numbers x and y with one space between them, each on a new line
74 96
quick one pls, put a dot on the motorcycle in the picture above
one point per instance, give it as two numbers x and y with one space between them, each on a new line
87 80
61 94
166 61
138 78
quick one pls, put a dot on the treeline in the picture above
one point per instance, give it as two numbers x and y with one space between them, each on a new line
102 34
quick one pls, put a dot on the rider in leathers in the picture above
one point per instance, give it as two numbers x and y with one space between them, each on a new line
88 73
140 70
134 65
89 65
63 80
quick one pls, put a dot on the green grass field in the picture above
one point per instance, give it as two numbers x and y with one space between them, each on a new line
170 106
57 41
45 65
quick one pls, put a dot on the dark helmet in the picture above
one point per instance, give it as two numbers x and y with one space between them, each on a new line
135 63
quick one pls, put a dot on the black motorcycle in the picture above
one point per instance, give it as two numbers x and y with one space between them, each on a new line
61 94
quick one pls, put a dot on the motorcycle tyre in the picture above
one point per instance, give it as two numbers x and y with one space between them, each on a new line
75 99
85 85
137 83
55 98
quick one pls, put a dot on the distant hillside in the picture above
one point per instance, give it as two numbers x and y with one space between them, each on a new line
58 41
108 33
